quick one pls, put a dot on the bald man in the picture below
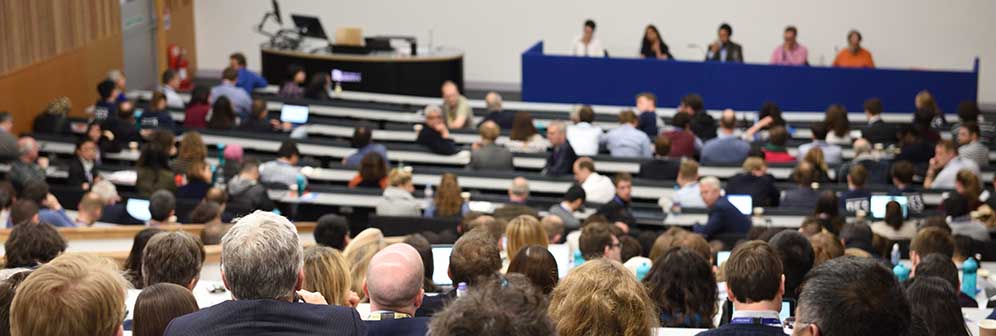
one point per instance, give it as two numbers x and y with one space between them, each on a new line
28 167
456 108
394 286
504 119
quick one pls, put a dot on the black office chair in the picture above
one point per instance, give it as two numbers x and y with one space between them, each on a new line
395 226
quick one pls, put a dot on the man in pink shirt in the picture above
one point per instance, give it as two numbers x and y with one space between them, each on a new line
791 52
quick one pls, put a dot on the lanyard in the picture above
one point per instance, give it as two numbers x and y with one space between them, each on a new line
772 322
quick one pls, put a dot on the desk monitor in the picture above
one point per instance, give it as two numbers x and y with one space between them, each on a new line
294 114
744 203
721 257
440 264
138 209
349 36
562 254
309 26
878 203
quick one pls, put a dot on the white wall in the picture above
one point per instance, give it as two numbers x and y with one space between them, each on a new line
925 34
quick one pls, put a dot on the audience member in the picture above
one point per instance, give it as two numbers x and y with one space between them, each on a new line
362 140
913 147
587 44
927 109
646 106
554 228
504 119
617 210
902 181
598 188
724 218
293 87
854 56
394 286
573 200
796 254
970 147
23 211
89 210
755 283
562 157
626 140
856 198
537 264
133 264
933 300
327 272
318 87
72 295
192 149
518 193
8 143
54 119
774 149
245 193
448 200
122 126
510 307
877 130
826 246
487 155
653 46
424 248
372 172
523 137
195 115
284 171
945 165
154 172
434 134
159 304
333 231
804 195
723 49
876 304
661 167
931 240
258 121
198 178
583 136
601 297
240 101
790 52
475 259
162 208
597 241
836 120
29 166
456 107
173 257
727 147
223 115
688 194
523 231
940 266
208 213
756 182
106 106
81 167
358 253
959 218
156 117
682 284
684 143
702 124
894 225
831 152
248 80
50 211
264 302
968 111
857 238
397 199
30 245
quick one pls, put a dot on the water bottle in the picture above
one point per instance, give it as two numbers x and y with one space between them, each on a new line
968 271
895 254
578 258
461 289
301 184
642 270
902 273
428 191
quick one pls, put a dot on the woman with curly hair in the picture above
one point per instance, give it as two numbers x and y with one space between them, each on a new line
601 297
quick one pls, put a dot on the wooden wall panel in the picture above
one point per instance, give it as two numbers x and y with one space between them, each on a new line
55 48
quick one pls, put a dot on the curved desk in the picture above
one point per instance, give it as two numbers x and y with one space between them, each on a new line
419 75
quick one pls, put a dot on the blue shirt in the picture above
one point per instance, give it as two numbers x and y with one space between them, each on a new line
627 141
249 80
55 218
831 153
723 218
725 149
353 161
157 120
241 101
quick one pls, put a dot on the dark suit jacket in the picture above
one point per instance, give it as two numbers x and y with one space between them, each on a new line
733 53
560 161
416 326
435 142
879 132
660 169
77 174
617 210
503 118
723 218
269 317
761 189
703 125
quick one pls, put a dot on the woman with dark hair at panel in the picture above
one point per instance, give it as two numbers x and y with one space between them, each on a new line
133 265
159 304
652 45
222 115
537 264
894 226
318 87
524 137
827 212
195 116
448 201
293 87
836 120
372 172
683 286
935 301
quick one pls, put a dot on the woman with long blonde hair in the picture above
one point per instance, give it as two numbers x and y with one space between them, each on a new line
927 106
447 201
523 231
601 297
327 272
359 252
816 158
